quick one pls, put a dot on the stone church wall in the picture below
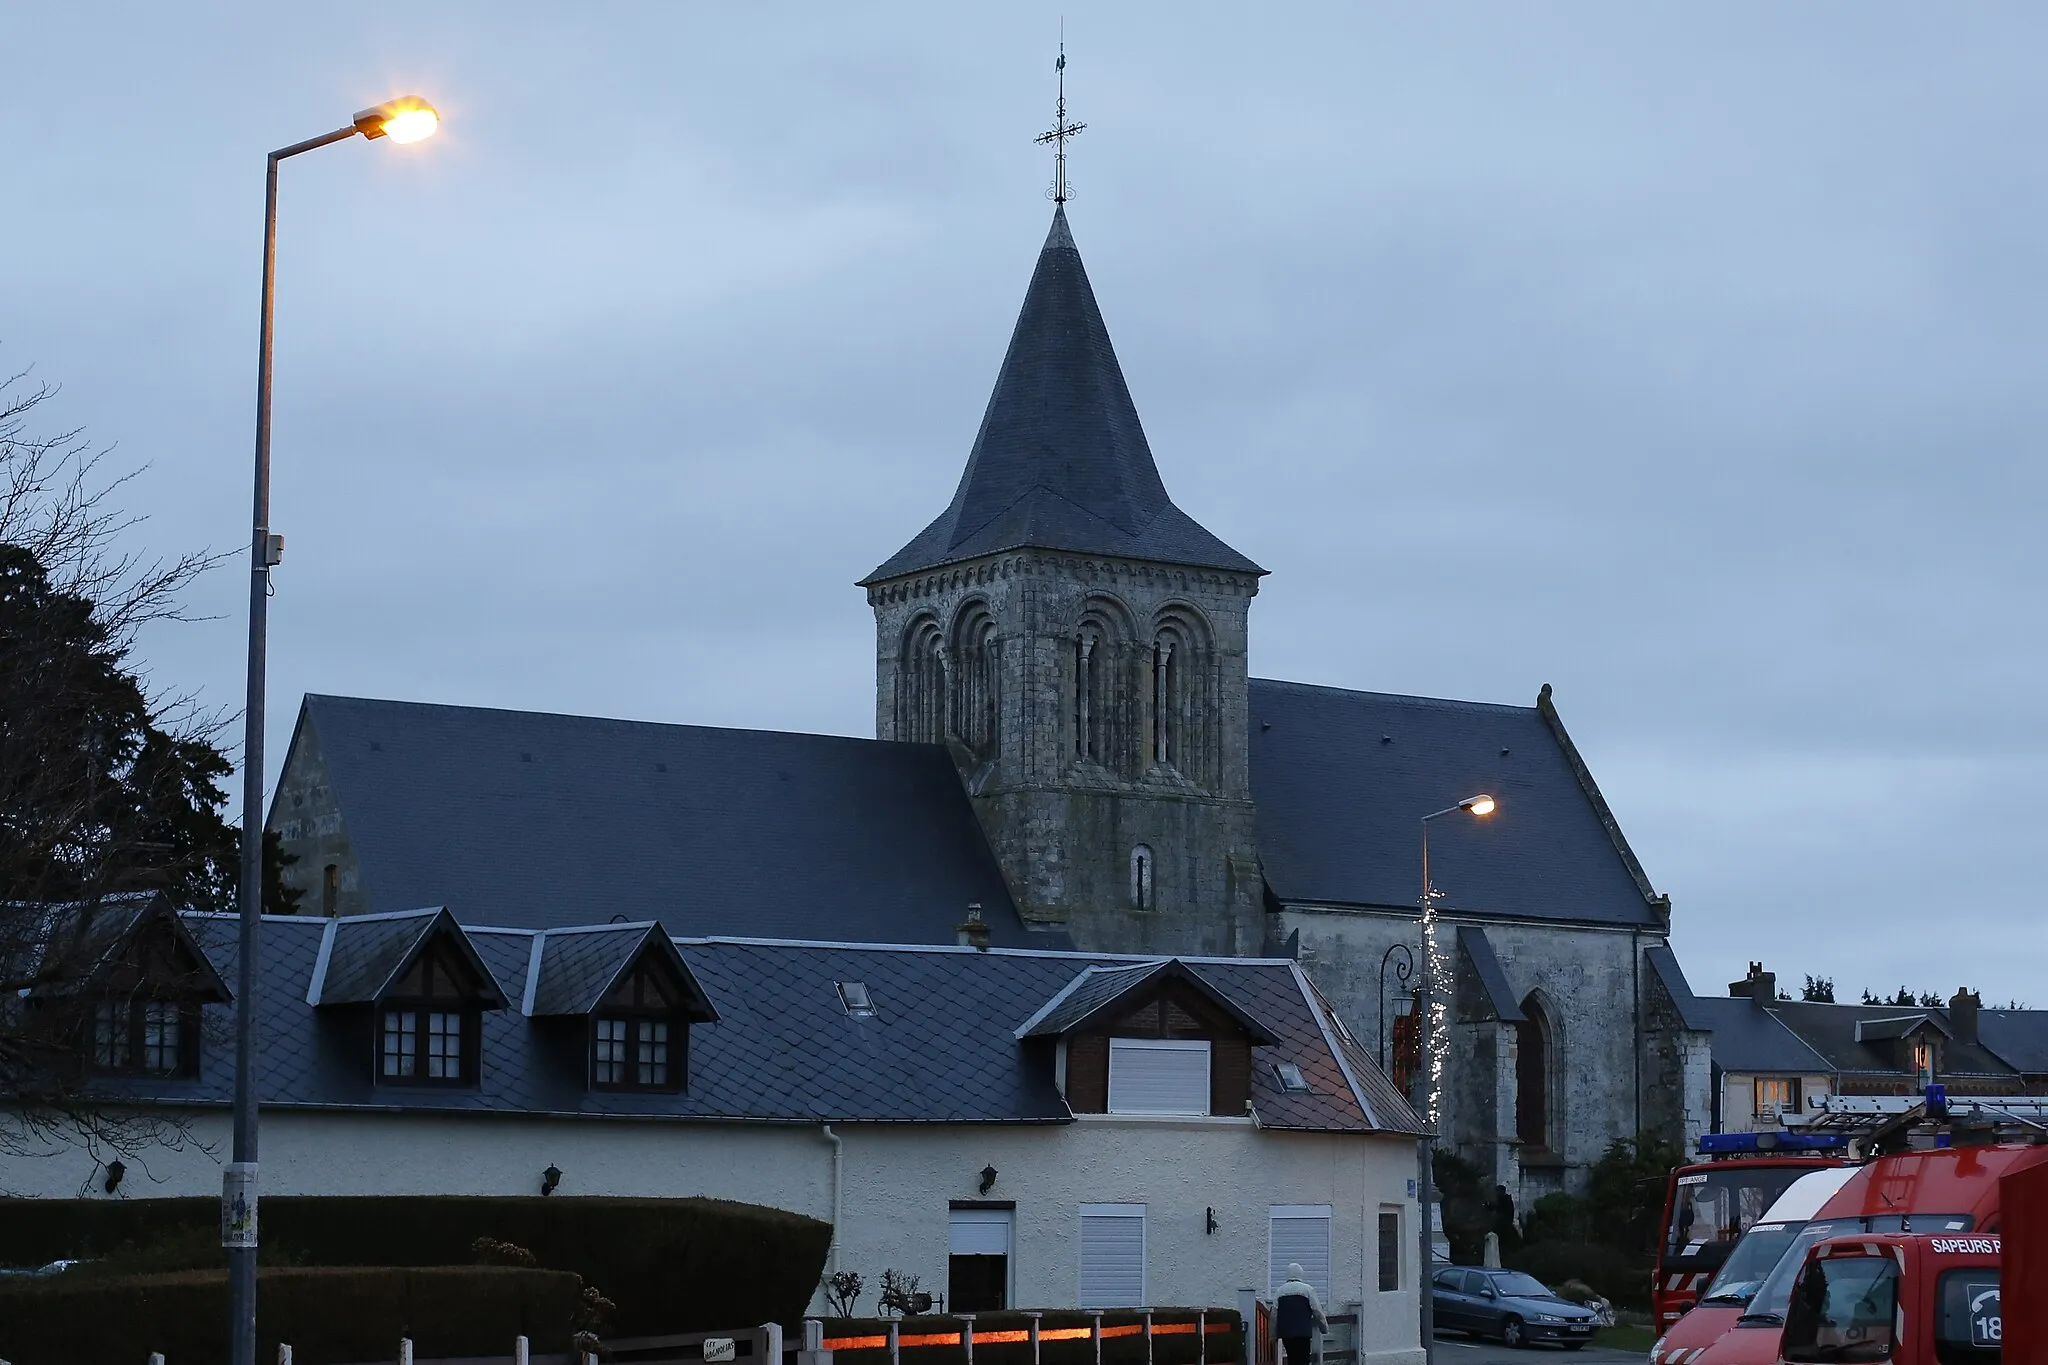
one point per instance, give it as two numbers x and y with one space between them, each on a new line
306 816
1585 979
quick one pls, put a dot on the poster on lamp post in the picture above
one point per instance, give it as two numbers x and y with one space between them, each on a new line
238 1205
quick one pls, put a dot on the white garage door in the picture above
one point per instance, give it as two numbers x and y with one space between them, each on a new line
1112 1256
1300 1233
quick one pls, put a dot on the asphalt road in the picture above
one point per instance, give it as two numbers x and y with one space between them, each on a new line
1465 1351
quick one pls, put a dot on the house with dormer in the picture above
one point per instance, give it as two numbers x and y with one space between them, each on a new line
1017 1127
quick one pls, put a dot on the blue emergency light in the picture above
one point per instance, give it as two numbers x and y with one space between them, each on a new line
1748 1144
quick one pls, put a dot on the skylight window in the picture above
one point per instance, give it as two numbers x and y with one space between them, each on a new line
853 995
1290 1077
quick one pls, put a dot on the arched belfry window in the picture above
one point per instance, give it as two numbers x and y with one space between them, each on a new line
1183 697
923 684
1535 1046
976 676
1100 712
1143 894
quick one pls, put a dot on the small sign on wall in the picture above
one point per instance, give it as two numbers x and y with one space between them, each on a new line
719 1350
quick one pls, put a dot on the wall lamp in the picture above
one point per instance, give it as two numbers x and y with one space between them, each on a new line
550 1178
115 1170
1211 1220
988 1179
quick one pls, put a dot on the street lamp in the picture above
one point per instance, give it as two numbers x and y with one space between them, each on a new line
401 120
1426 1071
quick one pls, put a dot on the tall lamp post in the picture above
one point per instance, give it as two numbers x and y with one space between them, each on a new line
1426 1074
401 120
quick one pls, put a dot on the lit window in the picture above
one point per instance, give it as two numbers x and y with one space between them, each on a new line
1776 1096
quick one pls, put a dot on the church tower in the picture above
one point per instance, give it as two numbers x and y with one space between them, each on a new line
1079 642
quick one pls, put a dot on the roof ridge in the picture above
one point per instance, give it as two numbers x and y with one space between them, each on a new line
1445 703
326 697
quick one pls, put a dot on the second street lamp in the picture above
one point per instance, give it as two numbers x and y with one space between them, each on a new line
1426 1076
401 120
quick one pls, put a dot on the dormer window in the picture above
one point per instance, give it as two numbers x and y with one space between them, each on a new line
429 1027
145 1037
638 1042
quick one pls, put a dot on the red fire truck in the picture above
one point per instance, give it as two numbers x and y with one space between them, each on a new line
1710 1205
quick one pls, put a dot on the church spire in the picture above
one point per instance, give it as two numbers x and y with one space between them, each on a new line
1061 461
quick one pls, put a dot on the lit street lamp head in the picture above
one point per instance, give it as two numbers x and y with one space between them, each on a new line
407 119
1481 804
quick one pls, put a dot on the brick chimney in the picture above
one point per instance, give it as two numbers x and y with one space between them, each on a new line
1962 1014
973 930
1760 986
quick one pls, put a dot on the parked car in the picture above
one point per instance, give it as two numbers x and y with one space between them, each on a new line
1516 1307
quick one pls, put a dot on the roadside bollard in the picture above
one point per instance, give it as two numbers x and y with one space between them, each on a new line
519 1351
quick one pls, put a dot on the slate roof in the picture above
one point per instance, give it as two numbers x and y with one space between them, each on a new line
1751 1040
577 968
2019 1038
1342 780
1061 461
366 954
1831 1030
531 820
1096 991
939 1048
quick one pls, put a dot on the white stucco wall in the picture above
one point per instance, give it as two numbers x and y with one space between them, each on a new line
898 1181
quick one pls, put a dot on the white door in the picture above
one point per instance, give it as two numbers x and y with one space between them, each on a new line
1299 1234
1112 1256
978 1245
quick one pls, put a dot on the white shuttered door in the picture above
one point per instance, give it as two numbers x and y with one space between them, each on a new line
978 1232
1158 1076
1112 1256
1300 1233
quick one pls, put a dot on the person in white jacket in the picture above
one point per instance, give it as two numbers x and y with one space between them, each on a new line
1298 1316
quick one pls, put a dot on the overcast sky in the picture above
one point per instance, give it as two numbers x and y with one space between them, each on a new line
1689 359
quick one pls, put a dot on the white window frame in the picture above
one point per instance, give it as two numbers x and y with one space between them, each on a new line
1327 1214
1132 1045
1088 1211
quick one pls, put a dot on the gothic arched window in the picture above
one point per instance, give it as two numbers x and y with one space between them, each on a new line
1143 896
1533 1047
976 700
922 684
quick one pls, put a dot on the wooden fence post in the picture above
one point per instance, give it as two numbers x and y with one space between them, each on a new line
1034 1316
1202 1336
1095 1334
520 1351
895 1341
1148 1336
771 1343
967 1335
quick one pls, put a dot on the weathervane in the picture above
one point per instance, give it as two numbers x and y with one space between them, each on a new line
1061 191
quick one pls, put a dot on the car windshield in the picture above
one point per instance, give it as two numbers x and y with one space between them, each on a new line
1515 1285
1767 1307
1842 1309
1711 1209
1753 1259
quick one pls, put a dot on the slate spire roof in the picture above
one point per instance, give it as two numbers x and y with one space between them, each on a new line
1061 462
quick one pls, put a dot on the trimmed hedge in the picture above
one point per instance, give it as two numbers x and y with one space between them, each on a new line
671 1265
328 1314
1170 1349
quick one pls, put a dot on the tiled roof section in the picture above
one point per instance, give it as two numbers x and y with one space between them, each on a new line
1752 1040
2019 1038
370 952
1664 966
939 1048
77 941
1342 779
1096 992
532 820
577 968
1385 1107
1831 1031
1061 461
1478 950
1897 1026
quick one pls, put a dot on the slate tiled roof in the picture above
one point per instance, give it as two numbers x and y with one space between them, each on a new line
1096 990
1342 780
2019 1038
1752 1040
573 970
1061 461
940 1046
366 954
534 820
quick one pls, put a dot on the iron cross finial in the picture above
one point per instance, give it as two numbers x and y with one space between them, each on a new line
1061 130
